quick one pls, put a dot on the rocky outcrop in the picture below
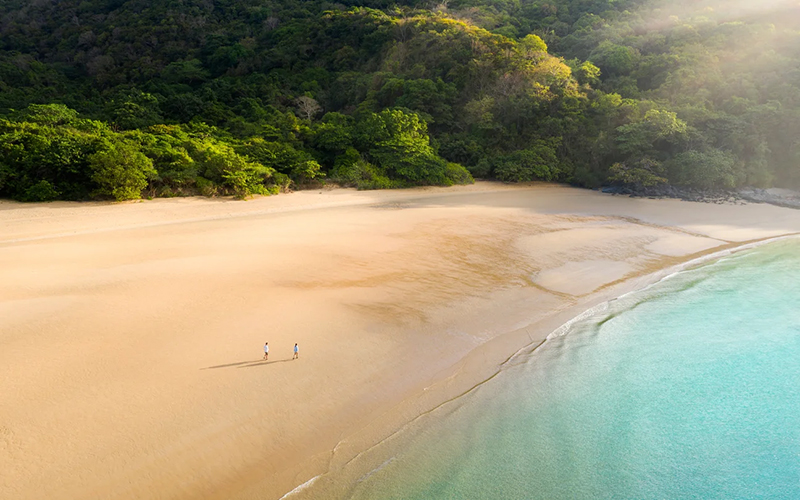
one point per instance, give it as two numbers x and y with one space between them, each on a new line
687 194
773 196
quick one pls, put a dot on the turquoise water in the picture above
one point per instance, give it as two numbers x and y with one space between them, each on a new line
690 389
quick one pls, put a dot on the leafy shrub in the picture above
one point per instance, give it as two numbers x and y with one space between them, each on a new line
380 182
206 187
705 170
482 170
281 157
307 170
281 182
220 163
49 114
32 152
646 172
398 142
352 170
41 191
165 192
457 174
121 172
538 162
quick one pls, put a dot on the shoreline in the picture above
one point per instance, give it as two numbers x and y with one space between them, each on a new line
669 272
401 300
643 283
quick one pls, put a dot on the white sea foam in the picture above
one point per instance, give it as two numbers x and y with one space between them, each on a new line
662 276
300 488
376 469
566 327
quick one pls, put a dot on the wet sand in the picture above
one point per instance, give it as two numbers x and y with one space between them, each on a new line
131 334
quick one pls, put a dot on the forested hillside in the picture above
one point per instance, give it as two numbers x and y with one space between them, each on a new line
120 98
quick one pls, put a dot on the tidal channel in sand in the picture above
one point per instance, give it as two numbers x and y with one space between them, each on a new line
131 335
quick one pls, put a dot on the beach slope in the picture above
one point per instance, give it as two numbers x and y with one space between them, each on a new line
131 334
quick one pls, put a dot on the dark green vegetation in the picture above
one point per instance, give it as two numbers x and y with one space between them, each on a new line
119 98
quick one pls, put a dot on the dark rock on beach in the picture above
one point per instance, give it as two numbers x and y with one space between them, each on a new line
775 196
780 197
668 191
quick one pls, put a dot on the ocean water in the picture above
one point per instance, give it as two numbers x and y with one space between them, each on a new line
689 389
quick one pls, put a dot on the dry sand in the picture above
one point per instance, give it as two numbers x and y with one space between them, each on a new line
131 334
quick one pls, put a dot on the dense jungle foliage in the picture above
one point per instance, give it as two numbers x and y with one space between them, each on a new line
124 98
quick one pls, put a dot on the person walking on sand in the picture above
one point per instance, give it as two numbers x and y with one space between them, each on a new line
296 352
266 350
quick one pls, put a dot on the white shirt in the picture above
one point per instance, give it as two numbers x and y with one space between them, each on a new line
266 348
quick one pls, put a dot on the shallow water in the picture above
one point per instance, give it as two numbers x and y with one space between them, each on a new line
690 389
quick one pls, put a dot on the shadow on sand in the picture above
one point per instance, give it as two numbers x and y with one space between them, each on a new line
247 364
262 363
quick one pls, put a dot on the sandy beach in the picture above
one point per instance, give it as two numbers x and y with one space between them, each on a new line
131 334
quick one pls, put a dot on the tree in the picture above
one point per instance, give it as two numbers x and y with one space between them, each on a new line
587 73
191 72
220 163
656 130
704 169
538 162
398 142
135 109
308 107
645 172
615 60
333 135
533 47
49 114
121 171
